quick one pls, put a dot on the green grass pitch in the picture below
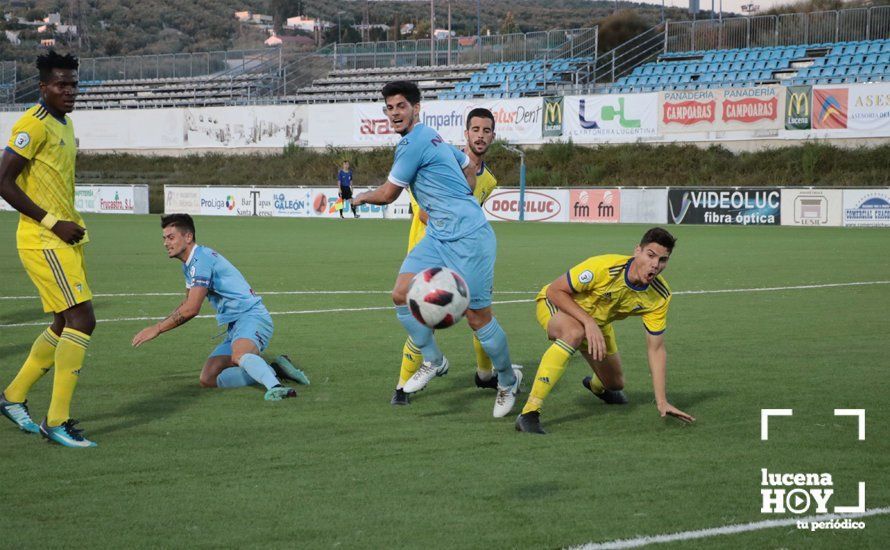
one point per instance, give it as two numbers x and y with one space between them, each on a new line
178 465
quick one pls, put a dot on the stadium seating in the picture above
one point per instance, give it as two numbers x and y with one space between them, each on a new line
495 80
519 78
826 63
365 84
168 92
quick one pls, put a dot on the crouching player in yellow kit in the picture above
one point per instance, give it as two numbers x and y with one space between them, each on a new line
37 179
480 134
577 311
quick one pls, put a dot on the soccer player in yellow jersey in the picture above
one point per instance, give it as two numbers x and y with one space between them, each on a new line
577 311
479 135
37 179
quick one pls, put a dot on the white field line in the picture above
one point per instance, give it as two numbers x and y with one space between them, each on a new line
270 293
384 308
725 530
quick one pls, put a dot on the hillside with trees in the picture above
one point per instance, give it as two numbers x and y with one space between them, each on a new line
136 27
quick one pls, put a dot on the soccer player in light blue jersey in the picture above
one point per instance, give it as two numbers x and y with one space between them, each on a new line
441 178
237 361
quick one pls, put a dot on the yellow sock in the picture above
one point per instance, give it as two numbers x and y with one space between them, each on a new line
483 361
69 359
596 386
38 363
412 358
553 364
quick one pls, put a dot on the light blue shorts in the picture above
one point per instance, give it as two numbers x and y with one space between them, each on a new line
254 326
472 257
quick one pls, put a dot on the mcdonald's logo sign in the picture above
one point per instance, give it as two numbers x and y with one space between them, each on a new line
553 114
798 107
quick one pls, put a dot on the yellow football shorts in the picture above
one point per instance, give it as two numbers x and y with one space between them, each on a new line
59 275
545 311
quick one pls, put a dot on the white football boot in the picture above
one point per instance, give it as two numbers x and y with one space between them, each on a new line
424 374
506 397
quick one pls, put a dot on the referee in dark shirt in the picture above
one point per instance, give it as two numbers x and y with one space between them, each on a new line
344 176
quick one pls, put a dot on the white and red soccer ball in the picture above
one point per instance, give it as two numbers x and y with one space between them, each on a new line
438 297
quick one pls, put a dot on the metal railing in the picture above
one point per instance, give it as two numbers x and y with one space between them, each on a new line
555 44
622 59
787 29
183 65
303 72
7 81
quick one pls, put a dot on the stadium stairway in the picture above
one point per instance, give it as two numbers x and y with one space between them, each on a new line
518 78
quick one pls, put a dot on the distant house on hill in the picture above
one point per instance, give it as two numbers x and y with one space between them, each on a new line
306 24
253 18
442 34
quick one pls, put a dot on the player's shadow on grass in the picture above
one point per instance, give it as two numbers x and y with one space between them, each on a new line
469 393
12 350
688 400
175 397
451 399
685 400
27 315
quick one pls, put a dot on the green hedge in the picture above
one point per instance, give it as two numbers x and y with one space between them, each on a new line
558 164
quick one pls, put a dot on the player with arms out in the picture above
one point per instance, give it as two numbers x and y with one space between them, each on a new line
37 179
577 311
236 362
479 134
441 179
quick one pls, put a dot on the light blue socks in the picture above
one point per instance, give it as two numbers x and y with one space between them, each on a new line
494 342
234 377
258 369
421 335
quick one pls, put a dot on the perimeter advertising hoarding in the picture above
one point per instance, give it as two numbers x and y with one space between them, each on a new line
798 107
594 205
516 120
812 207
541 205
611 118
721 206
867 208
734 109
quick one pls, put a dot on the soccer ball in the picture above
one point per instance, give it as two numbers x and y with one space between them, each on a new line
438 297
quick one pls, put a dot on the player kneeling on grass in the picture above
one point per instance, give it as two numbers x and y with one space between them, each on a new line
236 362
577 311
